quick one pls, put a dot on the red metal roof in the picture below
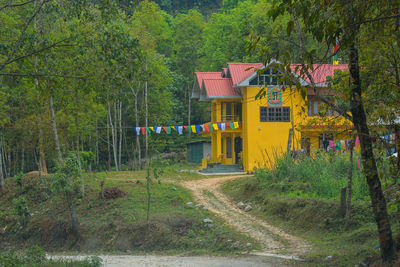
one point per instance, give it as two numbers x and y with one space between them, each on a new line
321 71
241 71
219 87
207 75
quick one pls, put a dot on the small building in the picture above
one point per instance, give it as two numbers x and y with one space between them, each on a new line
198 150
265 128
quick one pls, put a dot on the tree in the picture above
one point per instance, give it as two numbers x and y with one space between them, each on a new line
327 21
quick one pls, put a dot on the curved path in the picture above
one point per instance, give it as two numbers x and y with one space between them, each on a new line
274 241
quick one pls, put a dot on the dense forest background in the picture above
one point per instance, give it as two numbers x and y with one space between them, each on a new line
78 77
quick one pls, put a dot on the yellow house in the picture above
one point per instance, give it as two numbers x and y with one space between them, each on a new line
268 127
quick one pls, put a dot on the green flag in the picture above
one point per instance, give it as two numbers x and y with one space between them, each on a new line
168 129
148 130
211 127
232 125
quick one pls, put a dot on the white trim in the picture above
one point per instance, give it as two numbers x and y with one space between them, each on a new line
245 83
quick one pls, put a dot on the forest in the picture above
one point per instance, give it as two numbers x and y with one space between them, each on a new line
79 77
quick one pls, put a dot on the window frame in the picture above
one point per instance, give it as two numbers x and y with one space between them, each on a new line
275 114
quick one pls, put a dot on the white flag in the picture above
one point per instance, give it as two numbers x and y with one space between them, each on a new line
137 129
180 130
158 129
223 126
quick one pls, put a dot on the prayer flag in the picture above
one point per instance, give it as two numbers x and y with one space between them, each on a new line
165 129
158 129
331 144
222 126
202 127
152 128
210 127
148 130
193 127
169 129
137 129
180 130
185 127
215 126
143 130
198 128
236 124
337 145
219 125
206 128
173 127
232 125
189 128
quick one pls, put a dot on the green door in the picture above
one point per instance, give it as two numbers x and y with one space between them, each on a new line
196 152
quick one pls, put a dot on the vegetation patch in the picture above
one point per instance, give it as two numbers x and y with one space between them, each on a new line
303 198
115 223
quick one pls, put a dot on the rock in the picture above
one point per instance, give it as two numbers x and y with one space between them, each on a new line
241 205
189 204
248 208
207 220
204 208
199 206
210 225
248 245
327 258
236 244
362 264
174 188
229 240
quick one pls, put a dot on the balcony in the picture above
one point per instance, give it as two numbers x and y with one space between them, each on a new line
231 118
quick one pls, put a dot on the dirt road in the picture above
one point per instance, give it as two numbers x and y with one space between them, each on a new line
273 240
182 261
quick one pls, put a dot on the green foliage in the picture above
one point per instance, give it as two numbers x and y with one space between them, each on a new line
67 177
18 179
21 209
322 177
36 257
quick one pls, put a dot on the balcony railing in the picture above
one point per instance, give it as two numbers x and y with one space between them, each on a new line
230 118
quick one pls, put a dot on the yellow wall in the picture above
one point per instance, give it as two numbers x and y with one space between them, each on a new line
265 141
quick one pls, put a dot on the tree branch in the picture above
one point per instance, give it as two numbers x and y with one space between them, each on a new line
9 4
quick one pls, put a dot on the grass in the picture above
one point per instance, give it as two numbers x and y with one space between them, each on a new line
302 197
115 225
321 178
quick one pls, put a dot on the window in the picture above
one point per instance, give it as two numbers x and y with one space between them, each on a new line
269 77
222 112
278 114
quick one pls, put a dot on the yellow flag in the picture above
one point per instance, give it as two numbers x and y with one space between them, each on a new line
173 127
236 124
152 128
193 128
215 126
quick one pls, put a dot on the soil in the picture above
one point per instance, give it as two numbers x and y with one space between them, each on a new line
274 241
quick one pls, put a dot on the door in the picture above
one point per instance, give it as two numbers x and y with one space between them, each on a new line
238 148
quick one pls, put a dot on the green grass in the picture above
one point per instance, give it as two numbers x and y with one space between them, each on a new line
314 219
116 225
321 178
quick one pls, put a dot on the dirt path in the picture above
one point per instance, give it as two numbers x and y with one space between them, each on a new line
182 261
274 241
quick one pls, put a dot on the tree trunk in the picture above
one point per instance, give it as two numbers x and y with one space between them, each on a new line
137 136
42 160
23 156
189 111
368 160
146 120
2 182
54 124
108 143
120 134
349 185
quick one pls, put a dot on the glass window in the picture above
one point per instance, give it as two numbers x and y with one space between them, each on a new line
263 114
315 107
272 114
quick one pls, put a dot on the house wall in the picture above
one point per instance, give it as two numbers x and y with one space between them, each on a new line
263 142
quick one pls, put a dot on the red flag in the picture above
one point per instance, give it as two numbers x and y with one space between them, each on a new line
227 124
185 127
143 130
165 128
206 128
